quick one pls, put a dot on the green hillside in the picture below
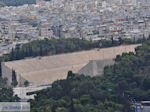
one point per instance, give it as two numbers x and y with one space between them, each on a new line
127 79
58 46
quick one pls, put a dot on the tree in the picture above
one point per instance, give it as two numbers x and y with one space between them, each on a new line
3 82
146 83
41 50
12 56
62 109
17 53
14 79
30 50
143 39
26 83
112 40
70 75
120 40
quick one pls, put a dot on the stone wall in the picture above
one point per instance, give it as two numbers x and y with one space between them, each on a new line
95 67
47 69
6 73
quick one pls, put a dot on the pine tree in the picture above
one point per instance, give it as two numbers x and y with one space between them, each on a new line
14 79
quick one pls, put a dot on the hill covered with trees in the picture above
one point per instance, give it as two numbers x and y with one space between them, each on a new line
58 46
51 47
127 80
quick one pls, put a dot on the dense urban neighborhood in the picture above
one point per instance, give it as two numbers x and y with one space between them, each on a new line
75 55
92 20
